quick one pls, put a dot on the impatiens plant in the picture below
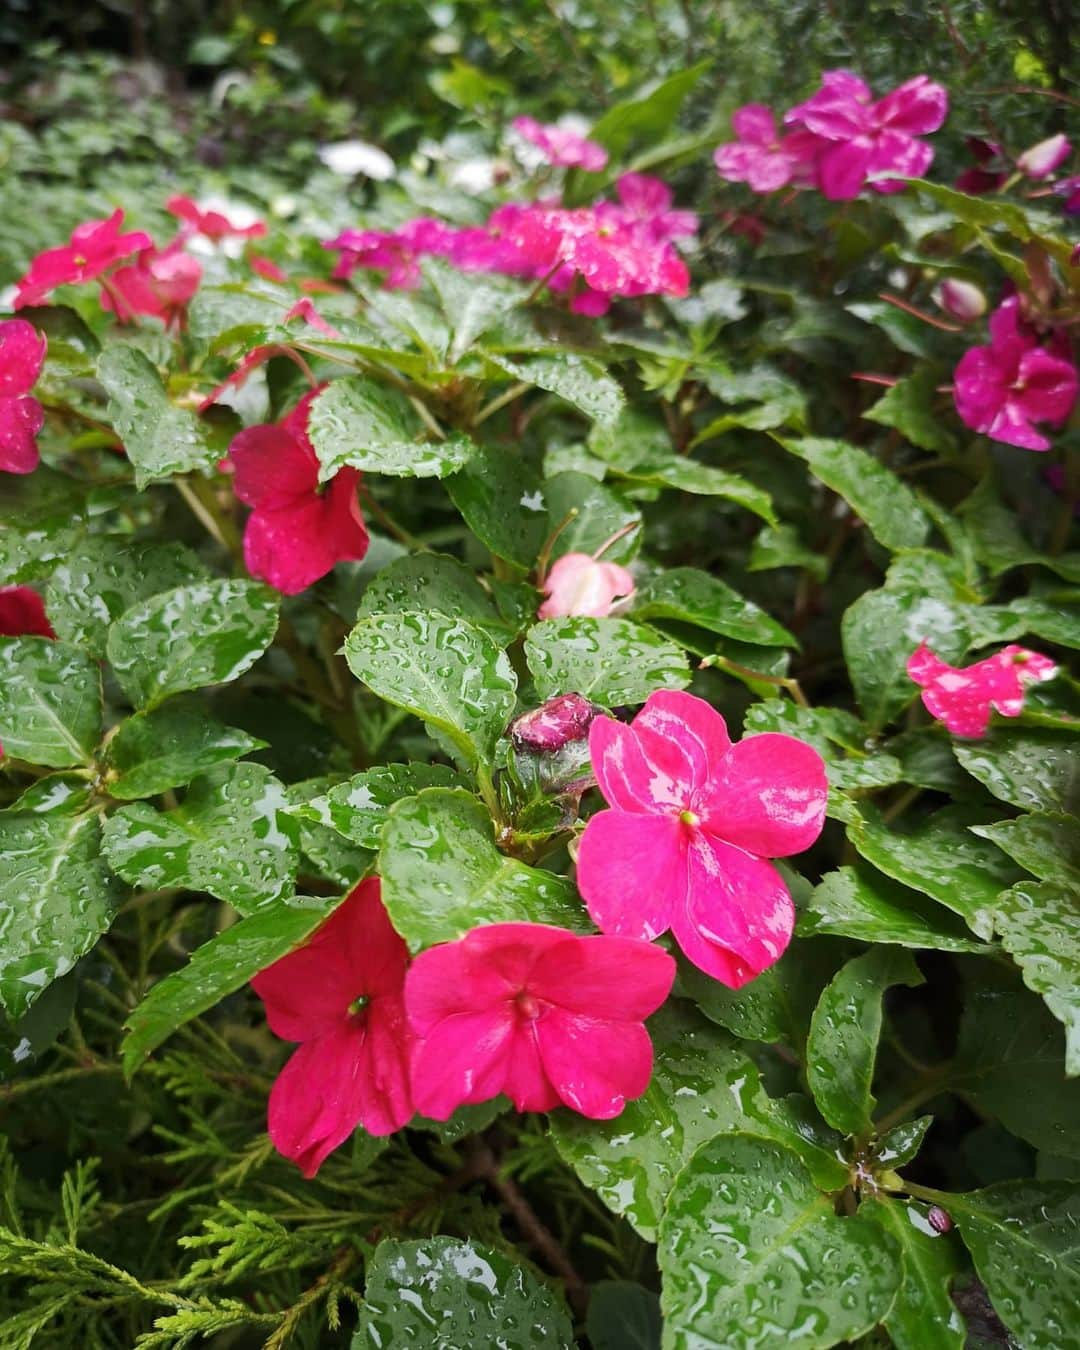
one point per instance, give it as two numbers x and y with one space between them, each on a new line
529 816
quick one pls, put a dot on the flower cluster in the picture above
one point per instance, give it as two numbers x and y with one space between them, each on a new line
562 146
22 354
840 140
962 698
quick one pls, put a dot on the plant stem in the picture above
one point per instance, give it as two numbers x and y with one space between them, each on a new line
780 681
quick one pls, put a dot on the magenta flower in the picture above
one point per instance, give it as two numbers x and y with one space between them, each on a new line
213 224
538 1013
341 996
1069 188
579 584
92 249
963 698
1003 388
296 532
561 146
22 354
869 141
647 200
556 723
22 613
990 170
1039 161
693 821
761 157
159 283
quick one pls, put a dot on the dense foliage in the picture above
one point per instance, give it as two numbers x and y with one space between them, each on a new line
422 511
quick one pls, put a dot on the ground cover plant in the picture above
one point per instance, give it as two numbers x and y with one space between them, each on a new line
540 788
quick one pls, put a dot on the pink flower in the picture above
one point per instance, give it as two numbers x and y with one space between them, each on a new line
761 157
648 200
579 584
962 299
213 224
22 354
305 309
556 723
1069 188
160 283
990 172
92 249
561 146
693 821
295 533
539 1013
22 613
265 267
963 698
341 996
1002 388
870 141
1040 161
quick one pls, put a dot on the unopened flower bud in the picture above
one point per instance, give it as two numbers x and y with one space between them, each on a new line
940 1220
582 585
1040 161
962 299
554 724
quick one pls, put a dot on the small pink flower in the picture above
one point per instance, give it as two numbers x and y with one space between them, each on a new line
538 1013
296 532
159 283
91 250
962 299
990 171
870 140
213 224
265 267
341 996
761 157
962 698
22 613
693 821
305 309
561 146
1003 388
579 584
1039 161
1069 188
649 200
556 723
22 354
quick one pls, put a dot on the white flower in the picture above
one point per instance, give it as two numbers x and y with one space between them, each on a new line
349 158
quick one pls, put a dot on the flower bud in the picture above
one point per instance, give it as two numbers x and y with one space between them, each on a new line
1040 161
940 1220
581 585
554 724
962 299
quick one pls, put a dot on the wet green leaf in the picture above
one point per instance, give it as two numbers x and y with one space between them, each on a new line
358 809
782 547
231 836
442 874
611 661
647 115
692 596
160 439
56 899
748 1244
1036 768
50 702
852 760
218 968
703 1084
432 581
623 1316
68 793
902 1143
601 513
844 1031
1048 846
206 633
445 1294
441 669
166 748
909 407
577 380
472 304
923 1317
500 497
858 902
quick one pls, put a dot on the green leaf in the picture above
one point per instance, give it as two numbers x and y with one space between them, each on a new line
160 439
206 633
899 1145
101 577
445 1294
1022 1236
703 480
56 899
369 426
69 793
231 836
648 115
886 504
218 968
1048 846
941 858
782 547
611 661
441 669
577 380
623 1316
844 1030
442 874
472 304
837 735
703 1084
1040 928
923 1317
1036 768
358 809
689 595
749 1246
500 498
909 407
154 751
601 513
432 581
50 702
861 903
1009 1065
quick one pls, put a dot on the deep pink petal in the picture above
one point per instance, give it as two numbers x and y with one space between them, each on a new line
22 613
733 161
465 1059
626 778
387 1060
22 354
271 466
769 171
631 872
619 979
895 152
1047 386
684 737
768 796
20 421
755 124
842 169
294 545
917 107
839 111
1011 427
595 1065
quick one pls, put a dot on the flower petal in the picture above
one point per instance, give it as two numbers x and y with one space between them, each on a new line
623 979
916 107
271 466
631 871
22 353
464 1059
842 169
20 421
768 796
627 779
596 1066
684 737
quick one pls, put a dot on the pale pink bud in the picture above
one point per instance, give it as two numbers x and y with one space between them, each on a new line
580 585
962 299
1040 161
940 1220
